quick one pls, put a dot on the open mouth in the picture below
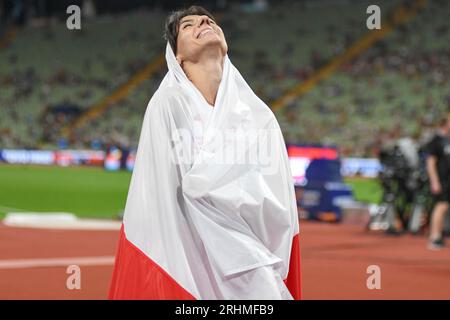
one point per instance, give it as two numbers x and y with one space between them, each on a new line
204 31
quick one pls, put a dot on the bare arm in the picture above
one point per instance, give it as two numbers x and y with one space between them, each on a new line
433 174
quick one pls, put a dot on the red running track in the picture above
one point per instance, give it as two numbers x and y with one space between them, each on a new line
335 258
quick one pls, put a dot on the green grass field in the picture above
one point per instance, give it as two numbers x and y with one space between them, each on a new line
366 190
90 192
84 191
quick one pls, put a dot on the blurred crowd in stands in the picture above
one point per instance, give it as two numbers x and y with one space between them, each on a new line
49 75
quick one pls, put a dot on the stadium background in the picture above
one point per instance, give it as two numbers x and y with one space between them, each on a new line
72 104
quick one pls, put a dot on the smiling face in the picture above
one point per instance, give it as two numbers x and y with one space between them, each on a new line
196 33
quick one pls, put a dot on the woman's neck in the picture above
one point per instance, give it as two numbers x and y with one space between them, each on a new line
206 74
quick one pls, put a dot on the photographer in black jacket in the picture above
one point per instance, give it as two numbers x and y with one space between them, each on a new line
438 168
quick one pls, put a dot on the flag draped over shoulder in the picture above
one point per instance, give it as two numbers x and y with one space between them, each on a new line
211 210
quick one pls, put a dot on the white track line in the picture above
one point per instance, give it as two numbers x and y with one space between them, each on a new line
58 220
56 262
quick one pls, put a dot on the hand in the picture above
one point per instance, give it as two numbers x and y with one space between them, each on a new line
436 187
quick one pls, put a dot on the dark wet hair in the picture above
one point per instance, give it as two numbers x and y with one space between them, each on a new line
172 24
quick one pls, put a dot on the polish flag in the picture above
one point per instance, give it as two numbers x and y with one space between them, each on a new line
208 228
137 276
